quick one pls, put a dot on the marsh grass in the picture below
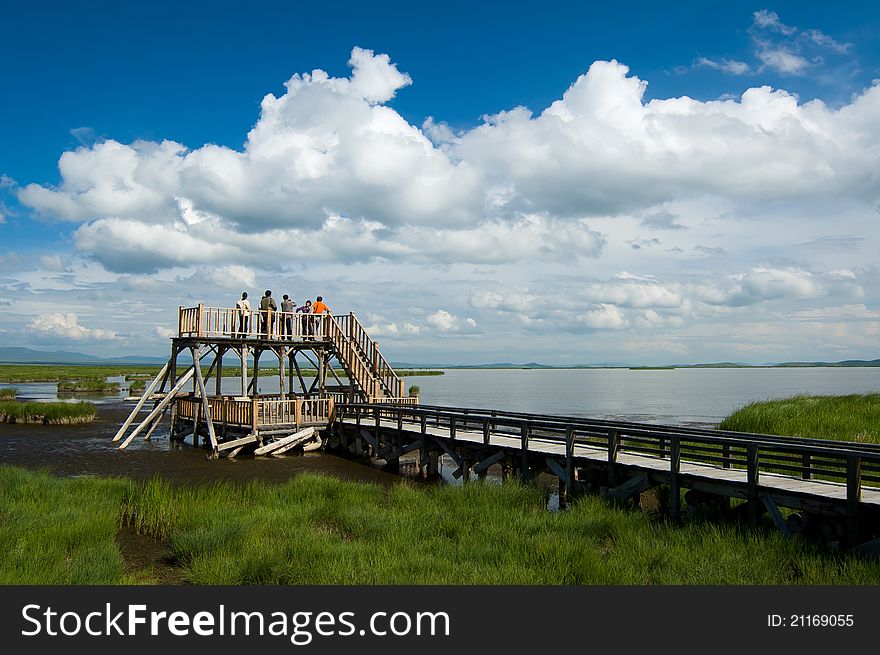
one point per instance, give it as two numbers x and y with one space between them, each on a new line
8 393
40 373
843 418
58 531
321 530
29 412
87 385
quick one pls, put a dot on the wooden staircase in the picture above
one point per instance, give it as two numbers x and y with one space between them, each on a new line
361 359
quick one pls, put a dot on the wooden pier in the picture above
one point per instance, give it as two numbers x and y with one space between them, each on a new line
829 486
832 486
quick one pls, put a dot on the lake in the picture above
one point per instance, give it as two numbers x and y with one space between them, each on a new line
682 396
672 396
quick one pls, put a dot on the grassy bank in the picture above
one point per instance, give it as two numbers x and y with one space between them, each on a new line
320 530
12 411
8 393
21 373
88 385
843 418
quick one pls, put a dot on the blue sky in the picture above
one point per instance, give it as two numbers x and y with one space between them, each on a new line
686 258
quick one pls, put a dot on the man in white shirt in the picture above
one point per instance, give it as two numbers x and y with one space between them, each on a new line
244 314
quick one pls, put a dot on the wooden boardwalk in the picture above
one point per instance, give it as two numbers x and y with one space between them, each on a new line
823 480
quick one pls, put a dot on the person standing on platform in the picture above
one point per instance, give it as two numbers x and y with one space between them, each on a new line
244 315
267 306
305 310
287 306
320 308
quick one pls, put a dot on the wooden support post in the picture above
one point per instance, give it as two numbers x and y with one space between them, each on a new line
201 382
281 353
752 476
524 455
613 446
674 464
725 455
805 463
244 372
290 358
776 515
322 372
853 497
256 381
569 464
218 383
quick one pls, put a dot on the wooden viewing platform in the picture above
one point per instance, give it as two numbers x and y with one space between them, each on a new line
229 423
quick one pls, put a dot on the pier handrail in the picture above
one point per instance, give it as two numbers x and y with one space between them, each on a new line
844 463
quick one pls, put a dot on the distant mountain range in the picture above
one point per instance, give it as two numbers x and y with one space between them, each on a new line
13 355
17 355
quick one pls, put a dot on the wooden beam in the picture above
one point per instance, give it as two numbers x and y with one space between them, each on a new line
485 463
299 441
156 422
776 515
235 443
371 438
147 392
158 408
632 487
296 437
556 468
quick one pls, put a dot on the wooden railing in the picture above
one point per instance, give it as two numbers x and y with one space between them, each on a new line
259 412
852 466
368 351
357 351
202 321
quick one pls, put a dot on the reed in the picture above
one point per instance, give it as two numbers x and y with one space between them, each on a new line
844 418
320 530
17 373
38 412
8 393
87 385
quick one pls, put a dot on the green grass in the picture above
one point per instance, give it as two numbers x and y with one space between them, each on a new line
8 393
321 530
26 373
88 385
59 531
18 373
52 412
843 418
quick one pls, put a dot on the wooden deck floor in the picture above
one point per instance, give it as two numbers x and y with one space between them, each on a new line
769 482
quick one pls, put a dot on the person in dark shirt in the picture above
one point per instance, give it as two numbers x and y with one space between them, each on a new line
287 306
306 310
267 306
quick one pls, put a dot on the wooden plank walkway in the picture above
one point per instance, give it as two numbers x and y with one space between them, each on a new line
835 481
768 481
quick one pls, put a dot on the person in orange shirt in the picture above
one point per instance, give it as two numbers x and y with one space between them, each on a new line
320 307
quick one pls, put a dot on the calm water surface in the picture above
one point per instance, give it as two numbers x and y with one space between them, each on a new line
680 396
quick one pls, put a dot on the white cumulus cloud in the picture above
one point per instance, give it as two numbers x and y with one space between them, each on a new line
66 326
